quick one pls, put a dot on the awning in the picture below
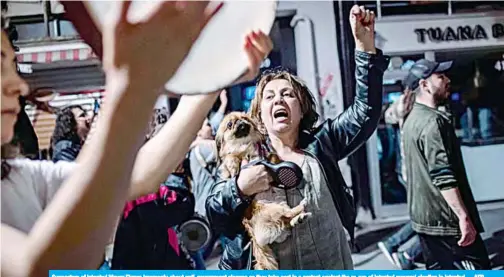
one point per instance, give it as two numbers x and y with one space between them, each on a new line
65 66
77 51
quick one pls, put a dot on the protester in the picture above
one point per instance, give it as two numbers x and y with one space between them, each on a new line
293 136
70 132
42 232
442 208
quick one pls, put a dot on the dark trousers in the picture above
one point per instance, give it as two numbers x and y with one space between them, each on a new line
443 252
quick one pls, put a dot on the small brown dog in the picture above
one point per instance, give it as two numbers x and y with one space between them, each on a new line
238 139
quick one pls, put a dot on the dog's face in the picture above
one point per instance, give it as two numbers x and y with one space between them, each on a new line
237 132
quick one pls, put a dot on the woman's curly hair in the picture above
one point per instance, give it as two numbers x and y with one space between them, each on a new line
66 126
303 94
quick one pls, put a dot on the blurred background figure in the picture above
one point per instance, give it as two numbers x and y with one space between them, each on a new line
70 132
395 116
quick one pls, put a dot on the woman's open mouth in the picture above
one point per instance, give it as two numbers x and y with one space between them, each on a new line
281 115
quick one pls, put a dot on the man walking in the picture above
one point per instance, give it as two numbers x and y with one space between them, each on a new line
441 204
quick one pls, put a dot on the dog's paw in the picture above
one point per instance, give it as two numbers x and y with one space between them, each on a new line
299 219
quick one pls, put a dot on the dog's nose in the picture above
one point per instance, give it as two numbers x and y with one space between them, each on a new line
242 128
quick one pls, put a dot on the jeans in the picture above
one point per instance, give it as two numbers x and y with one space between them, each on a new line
485 122
403 235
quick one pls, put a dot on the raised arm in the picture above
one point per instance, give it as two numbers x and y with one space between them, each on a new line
161 155
354 126
217 118
74 228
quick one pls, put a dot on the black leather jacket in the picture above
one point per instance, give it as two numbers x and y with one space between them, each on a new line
332 141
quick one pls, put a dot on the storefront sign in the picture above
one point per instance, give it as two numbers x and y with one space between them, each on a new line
434 34
459 33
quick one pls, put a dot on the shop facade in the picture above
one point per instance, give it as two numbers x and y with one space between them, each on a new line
475 42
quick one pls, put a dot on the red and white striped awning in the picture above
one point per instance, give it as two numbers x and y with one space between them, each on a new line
52 53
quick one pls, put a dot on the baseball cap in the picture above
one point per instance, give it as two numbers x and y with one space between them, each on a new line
423 69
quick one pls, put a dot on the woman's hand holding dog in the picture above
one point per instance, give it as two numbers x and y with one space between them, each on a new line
253 180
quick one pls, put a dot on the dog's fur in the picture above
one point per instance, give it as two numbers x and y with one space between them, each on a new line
238 139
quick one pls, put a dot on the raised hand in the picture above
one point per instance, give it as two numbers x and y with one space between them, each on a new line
152 50
405 103
362 22
258 45
223 96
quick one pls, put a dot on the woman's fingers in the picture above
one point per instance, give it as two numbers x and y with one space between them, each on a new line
367 17
257 47
124 8
262 42
254 57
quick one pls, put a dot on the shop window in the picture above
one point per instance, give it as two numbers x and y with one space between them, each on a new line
477 102
35 30
414 7
66 28
393 190
476 6
30 31
399 66
407 7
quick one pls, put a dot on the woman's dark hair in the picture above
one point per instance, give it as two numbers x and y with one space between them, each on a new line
66 126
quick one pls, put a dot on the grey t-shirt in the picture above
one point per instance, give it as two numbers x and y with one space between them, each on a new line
320 242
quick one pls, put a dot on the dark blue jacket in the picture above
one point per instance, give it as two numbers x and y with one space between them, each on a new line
66 150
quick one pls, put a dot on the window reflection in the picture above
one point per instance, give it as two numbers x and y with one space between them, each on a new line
477 101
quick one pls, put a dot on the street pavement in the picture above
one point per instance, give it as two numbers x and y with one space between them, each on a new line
369 257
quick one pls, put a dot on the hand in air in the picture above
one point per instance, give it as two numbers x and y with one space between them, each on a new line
405 103
362 22
258 45
152 50
223 96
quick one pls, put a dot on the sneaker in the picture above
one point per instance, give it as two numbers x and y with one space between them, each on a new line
387 251
402 262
